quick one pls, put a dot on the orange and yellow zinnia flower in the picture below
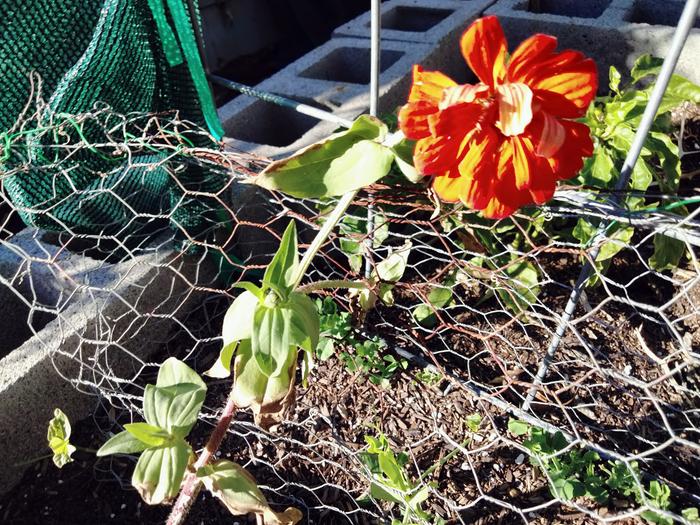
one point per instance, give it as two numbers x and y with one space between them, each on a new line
502 143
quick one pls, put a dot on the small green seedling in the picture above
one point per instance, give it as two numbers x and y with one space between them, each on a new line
392 484
58 436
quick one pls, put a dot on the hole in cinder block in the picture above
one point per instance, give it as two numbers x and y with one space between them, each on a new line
657 13
349 64
413 19
266 123
577 8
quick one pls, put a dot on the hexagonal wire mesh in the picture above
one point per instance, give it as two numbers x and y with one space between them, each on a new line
623 380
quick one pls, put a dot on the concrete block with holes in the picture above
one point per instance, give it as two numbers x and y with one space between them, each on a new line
99 319
612 32
438 24
334 77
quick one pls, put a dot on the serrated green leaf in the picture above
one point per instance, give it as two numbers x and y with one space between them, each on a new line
281 270
58 437
239 492
122 443
642 176
691 514
344 162
159 472
644 66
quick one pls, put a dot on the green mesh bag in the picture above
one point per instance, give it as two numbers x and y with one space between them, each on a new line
136 56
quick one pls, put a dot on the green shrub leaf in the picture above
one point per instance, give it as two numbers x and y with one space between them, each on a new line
159 472
344 162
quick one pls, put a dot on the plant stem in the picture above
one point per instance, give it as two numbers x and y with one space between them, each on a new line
333 283
191 485
322 235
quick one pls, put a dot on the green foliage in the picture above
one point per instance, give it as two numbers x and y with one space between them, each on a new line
576 473
428 377
344 162
170 408
58 436
613 120
473 422
359 354
392 484
238 491
439 297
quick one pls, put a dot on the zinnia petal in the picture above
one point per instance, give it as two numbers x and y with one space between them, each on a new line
514 108
450 186
435 154
550 134
565 84
568 161
413 119
428 85
484 48
462 93
535 49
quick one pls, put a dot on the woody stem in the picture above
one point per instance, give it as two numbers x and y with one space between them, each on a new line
191 485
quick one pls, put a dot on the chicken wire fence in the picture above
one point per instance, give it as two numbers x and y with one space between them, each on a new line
466 325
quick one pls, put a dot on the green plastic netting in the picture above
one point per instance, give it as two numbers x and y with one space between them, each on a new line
136 56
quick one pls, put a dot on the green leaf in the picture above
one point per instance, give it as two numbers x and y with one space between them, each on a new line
122 443
403 152
602 169
58 436
642 175
305 322
615 77
393 267
238 321
222 367
148 434
252 288
691 514
271 338
252 388
239 492
522 286
391 470
159 472
280 272
344 162
517 427
644 66
380 493
174 372
325 348
174 402
667 253
474 422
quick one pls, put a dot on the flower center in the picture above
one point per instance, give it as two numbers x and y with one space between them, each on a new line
514 108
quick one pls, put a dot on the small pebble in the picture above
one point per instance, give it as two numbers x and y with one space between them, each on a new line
519 460
465 466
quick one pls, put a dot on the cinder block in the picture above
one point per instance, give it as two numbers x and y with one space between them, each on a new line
612 32
112 323
438 24
334 77
649 28
417 20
